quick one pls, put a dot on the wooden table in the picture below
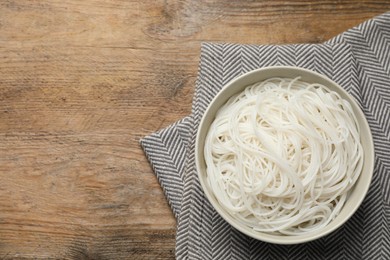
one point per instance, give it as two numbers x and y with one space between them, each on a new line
82 81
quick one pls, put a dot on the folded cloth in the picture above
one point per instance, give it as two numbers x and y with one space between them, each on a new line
359 61
166 151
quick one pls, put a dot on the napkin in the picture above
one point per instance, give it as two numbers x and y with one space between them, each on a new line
359 61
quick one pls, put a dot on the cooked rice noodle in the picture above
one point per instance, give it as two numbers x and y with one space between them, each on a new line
282 156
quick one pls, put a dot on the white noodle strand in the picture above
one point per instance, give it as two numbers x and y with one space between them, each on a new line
282 155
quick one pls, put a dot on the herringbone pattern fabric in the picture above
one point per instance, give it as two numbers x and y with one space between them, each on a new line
359 61
167 162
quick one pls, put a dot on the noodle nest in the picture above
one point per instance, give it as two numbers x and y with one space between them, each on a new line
282 156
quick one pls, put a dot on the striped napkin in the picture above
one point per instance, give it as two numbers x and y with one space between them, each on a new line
359 61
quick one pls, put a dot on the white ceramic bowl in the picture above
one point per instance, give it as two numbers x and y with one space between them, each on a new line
237 85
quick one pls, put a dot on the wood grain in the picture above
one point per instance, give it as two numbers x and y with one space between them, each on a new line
82 81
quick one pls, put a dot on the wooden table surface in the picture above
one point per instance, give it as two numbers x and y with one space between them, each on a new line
82 81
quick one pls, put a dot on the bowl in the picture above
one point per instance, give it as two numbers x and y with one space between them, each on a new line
357 193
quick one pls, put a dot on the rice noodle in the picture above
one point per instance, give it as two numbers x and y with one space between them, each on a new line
282 155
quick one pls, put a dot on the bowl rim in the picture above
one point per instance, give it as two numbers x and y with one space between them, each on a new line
276 239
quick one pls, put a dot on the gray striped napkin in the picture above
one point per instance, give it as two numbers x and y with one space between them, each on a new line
359 61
